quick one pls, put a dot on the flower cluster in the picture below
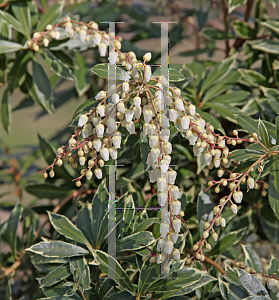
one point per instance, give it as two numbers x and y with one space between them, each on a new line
97 136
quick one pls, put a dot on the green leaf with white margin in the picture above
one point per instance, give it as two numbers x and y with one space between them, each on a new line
12 226
57 249
252 78
252 259
50 15
271 24
273 190
100 212
65 227
112 268
128 214
84 221
103 70
218 72
21 11
7 46
42 87
55 276
245 154
227 242
251 284
183 277
273 96
82 75
243 30
56 65
215 34
146 223
246 122
174 73
231 291
205 279
233 4
264 136
48 190
268 46
204 209
15 23
132 242
273 266
148 275
5 111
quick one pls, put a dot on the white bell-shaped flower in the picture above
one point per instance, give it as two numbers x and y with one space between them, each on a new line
151 129
101 95
161 257
137 112
172 114
164 121
97 144
112 57
207 158
167 147
165 229
82 35
130 126
153 141
97 38
162 198
148 73
147 57
121 107
165 215
192 109
102 49
161 183
113 152
193 139
168 246
82 120
237 196
160 245
174 191
100 130
125 86
184 123
137 101
104 153
165 134
171 176
129 115
155 152
164 165
173 236
115 98
145 129
147 115
116 140
111 125
176 223
175 206
100 110
179 104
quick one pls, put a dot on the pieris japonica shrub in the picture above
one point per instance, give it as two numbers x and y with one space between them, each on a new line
164 186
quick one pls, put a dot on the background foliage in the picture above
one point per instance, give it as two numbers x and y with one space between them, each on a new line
230 74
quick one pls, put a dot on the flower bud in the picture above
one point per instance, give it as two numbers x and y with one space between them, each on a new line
214 236
100 130
223 222
250 183
175 254
145 258
78 183
206 225
216 210
89 174
51 174
196 247
208 246
173 236
98 173
234 208
152 259
147 57
179 104
104 153
205 234
237 196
